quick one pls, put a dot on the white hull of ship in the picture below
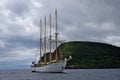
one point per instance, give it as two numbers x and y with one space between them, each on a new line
52 67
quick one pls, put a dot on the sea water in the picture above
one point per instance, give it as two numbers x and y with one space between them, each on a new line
68 74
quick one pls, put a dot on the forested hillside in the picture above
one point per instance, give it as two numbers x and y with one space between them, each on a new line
90 55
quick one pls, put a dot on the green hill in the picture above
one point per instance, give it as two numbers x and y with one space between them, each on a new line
90 54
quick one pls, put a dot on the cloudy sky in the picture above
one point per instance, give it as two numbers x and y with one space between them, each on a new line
79 20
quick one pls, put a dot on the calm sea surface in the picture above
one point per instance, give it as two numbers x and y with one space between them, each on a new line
69 74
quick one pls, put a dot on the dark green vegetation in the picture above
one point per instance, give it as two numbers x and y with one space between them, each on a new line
91 55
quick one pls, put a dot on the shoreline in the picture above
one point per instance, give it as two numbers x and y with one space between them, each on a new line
103 67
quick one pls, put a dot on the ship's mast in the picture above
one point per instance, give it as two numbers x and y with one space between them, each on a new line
40 39
56 36
45 40
50 37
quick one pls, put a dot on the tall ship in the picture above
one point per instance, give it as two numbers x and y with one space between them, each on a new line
53 60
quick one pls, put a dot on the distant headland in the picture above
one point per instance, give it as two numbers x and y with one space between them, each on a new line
90 55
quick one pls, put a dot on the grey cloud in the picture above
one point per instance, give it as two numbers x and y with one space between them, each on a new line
19 7
83 20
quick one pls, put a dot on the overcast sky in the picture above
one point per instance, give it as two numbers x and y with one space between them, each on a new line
79 20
